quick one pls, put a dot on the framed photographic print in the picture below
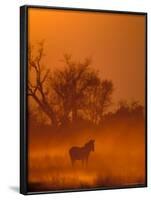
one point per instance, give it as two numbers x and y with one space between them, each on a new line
83 99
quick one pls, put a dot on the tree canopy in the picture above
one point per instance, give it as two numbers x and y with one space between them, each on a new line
69 94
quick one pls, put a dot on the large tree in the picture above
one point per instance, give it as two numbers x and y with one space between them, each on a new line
68 94
72 84
98 100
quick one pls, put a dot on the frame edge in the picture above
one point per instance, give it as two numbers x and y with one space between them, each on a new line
23 98
23 64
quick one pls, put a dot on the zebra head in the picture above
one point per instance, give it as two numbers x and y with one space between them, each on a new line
90 145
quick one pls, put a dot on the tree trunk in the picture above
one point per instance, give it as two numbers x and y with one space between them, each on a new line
48 111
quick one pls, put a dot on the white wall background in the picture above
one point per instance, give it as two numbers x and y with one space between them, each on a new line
9 99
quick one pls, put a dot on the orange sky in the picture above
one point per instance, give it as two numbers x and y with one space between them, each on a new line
115 42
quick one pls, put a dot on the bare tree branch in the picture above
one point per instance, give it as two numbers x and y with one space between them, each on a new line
37 90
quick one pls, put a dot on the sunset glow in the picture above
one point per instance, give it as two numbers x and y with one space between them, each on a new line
86 91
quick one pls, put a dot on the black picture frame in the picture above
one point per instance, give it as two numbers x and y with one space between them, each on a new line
24 102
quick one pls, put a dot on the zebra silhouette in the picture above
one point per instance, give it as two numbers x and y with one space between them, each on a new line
81 153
